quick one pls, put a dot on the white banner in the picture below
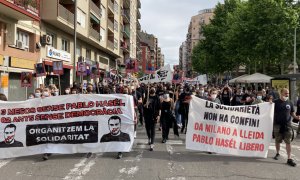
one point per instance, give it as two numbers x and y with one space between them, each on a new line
67 124
233 130
162 75
202 79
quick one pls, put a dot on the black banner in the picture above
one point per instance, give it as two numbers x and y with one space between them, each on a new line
65 133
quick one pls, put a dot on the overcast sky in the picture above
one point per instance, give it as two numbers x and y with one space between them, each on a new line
168 20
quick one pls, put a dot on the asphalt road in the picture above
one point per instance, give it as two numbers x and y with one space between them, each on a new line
170 161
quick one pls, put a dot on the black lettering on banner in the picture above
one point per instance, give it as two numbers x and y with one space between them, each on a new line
63 133
162 74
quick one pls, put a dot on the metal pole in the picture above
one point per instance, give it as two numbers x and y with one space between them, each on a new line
75 38
295 39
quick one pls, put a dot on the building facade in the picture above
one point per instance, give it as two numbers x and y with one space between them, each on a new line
19 33
43 31
195 34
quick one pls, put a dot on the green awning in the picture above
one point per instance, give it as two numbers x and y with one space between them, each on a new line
95 19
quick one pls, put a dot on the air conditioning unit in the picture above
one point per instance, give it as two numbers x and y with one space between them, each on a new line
20 44
47 39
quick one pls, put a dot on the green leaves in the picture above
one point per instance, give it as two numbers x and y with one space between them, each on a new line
245 32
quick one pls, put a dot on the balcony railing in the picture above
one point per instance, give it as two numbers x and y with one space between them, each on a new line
126 15
95 34
32 6
110 45
95 8
65 14
111 5
110 24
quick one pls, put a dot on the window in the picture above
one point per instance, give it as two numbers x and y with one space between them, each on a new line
102 34
81 18
78 50
116 25
53 39
116 7
115 43
24 38
103 12
65 45
88 54
95 56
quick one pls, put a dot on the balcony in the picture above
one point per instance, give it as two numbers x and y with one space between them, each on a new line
125 47
110 45
111 5
126 32
110 25
95 8
65 14
94 34
21 9
126 16
139 4
126 4
138 26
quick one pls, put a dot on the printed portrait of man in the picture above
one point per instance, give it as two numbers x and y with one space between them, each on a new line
9 137
115 134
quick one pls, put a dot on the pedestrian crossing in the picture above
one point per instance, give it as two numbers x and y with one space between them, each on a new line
83 165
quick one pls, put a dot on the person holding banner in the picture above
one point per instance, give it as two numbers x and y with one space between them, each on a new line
282 128
151 115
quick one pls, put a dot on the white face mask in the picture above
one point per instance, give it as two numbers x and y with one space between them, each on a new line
67 91
37 95
214 96
56 93
285 98
31 97
259 97
46 94
166 96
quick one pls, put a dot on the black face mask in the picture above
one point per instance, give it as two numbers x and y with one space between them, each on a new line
152 91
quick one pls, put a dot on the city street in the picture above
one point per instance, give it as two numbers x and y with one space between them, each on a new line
170 161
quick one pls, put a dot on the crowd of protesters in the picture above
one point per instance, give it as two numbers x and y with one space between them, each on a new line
166 106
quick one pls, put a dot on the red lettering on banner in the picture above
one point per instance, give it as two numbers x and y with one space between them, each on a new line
251 146
228 143
203 139
251 134
217 129
198 126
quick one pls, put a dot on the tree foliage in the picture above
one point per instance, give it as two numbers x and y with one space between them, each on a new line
249 32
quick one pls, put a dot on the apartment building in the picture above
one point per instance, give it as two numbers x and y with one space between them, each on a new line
98 27
43 31
195 34
183 57
19 33
152 57
129 38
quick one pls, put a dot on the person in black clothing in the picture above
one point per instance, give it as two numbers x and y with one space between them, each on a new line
298 114
226 96
282 128
184 99
151 115
247 98
115 134
9 137
236 99
167 118
141 91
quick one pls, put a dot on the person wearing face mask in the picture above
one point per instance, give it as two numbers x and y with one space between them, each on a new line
90 89
67 91
46 93
38 92
236 99
167 118
151 115
283 131
31 96
200 93
259 98
213 93
226 96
